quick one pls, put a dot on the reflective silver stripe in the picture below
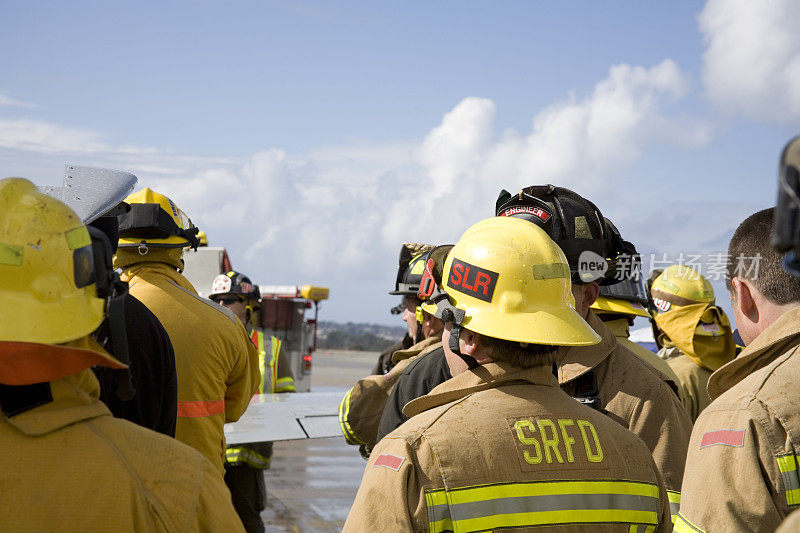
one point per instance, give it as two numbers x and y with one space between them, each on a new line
787 464
516 505
438 512
682 525
560 502
674 503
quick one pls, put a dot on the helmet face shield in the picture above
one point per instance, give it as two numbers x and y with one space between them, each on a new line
631 290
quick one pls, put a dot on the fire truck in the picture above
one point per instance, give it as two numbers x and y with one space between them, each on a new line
288 312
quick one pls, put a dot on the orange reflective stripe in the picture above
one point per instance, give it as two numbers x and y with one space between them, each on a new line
198 409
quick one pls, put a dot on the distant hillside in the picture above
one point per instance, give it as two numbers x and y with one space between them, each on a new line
351 336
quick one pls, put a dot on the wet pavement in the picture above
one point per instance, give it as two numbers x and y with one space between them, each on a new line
312 483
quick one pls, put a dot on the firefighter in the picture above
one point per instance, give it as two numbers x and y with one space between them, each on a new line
742 471
152 361
386 355
606 376
361 408
216 364
694 335
617 306
245 463
408 276
66 461
500 446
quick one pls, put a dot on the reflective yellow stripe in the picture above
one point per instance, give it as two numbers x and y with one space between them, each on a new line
787 464
551 488
572 516
684 526
511 505
273 362
640 528
437 526
674 503
239 455
262 384
285 385
344 412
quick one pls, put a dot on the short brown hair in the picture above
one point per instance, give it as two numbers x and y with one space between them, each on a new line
751 243
519 355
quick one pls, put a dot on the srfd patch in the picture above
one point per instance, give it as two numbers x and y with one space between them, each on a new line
471 280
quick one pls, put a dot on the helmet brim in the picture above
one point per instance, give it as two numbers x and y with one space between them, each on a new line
619 307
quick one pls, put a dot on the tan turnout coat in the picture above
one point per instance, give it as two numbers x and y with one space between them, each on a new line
636 396
742 469
500 447
68 465
361 408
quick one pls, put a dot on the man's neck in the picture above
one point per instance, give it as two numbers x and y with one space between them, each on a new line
769 313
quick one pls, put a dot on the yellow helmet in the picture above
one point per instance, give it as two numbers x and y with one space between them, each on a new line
155 221
680 285
506 279
47 278
202 238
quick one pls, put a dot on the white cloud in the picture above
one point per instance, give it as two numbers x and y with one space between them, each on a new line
578 143
752 63
10 102
337 215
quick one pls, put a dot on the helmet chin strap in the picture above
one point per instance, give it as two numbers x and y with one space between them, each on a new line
455 335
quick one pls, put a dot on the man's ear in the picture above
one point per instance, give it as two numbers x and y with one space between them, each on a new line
743 297
470 341
590 292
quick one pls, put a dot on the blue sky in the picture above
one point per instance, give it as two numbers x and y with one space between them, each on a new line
311 139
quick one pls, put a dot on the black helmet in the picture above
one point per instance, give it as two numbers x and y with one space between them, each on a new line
576 225
411 265
234 283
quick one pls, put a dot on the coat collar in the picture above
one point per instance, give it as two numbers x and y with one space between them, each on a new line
151 270
574 361
75 398
484 377
619 327
425 345
774 341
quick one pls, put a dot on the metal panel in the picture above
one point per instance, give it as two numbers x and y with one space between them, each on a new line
201 266
274 417
91 191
